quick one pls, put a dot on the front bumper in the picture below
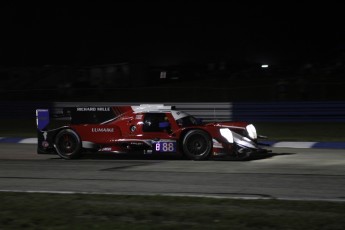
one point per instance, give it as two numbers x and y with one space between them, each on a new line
236 151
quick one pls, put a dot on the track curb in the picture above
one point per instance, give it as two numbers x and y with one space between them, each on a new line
305 145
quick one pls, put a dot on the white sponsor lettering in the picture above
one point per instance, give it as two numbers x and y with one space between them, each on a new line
45 134
139 117
86 109
103 109
93 109
102 130
106 149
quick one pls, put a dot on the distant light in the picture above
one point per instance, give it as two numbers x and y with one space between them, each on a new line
264 66
163 75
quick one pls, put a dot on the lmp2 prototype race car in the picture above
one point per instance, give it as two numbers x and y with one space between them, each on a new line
150 128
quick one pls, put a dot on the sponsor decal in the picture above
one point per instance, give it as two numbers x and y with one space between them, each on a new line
106 149
133 128
178 114
137 143
102 130
103 109
139 117
45 134
93 109
45 144
165 146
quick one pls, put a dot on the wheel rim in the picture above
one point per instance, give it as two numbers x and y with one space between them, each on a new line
67 144
197 145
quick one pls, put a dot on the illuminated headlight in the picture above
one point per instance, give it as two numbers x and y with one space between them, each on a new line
251 132
227 134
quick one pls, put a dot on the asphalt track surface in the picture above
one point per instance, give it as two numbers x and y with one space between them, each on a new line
287 173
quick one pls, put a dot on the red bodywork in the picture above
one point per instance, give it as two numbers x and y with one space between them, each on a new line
121 138
127 131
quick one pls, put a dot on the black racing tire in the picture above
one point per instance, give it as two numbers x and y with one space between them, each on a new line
68 144
197 145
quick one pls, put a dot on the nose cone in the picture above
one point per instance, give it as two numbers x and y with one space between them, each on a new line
244 141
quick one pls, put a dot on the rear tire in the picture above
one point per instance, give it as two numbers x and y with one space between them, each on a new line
67 144
197 145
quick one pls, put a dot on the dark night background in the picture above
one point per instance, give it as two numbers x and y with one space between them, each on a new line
205 44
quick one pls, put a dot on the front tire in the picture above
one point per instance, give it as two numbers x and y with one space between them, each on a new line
67 144
197 145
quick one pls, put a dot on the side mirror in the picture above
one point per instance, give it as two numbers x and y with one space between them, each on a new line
164 125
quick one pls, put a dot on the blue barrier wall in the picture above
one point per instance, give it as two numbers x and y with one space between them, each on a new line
289 112
251 112
331 111
20 109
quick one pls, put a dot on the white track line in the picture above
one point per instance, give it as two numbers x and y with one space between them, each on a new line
28 141
286 144
215 196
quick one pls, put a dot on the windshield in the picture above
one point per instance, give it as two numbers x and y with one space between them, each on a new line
188 121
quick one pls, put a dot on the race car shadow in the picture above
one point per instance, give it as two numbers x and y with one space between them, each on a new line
255 157
131 156
141 156
268 155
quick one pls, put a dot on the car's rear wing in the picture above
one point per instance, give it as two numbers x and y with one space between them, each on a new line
51 118
63 116
47 119
42 118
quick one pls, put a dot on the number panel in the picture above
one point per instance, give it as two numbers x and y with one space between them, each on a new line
165 146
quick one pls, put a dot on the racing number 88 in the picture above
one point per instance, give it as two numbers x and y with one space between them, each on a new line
168 147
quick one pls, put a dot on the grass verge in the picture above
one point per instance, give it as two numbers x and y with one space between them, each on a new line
81 211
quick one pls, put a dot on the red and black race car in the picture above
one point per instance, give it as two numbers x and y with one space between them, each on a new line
151 128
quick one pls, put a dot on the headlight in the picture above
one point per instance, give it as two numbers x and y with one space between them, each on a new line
227 134
251 132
